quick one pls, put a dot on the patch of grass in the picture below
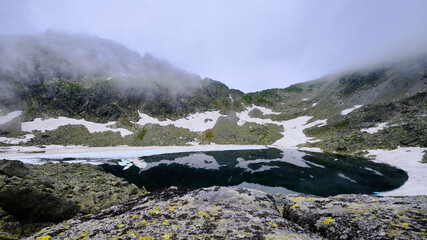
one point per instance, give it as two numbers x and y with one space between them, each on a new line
208 134
140 135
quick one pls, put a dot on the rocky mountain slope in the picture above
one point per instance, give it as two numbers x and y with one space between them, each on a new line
83 76
144 101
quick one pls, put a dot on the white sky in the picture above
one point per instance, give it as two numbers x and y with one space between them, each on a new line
249 45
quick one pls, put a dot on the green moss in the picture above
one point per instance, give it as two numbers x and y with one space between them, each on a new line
140 135
208 134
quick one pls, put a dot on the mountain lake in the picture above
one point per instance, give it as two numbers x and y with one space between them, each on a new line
271 170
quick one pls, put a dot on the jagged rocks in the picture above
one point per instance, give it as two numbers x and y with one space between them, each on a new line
359 216
215 213
33 196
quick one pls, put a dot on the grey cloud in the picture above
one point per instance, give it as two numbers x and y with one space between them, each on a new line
247 44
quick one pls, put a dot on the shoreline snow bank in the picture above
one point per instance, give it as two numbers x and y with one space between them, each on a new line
24 139
408 159
31 154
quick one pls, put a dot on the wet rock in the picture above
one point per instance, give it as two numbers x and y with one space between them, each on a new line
215 213
359 216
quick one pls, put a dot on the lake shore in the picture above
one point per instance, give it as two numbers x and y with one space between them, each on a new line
407 159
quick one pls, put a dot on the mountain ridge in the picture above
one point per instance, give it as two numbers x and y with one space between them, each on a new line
45 82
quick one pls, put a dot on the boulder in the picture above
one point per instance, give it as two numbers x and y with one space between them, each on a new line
13 168
36 196
208 213
10 123
27 204
359 216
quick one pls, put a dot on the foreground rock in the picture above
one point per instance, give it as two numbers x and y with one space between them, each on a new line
359 216
34 196
209 213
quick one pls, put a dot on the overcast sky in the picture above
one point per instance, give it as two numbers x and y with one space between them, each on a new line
249 45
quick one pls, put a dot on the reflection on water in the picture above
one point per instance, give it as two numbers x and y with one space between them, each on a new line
270 170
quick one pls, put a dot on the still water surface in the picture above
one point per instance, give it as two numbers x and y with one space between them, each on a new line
271 170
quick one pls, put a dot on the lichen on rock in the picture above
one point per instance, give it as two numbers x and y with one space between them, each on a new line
208 213
35 196
359 216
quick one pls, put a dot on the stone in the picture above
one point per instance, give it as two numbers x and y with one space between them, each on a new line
176 213
36 196
13 168
359 216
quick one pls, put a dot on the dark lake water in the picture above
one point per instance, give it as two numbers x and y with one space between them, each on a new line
271 170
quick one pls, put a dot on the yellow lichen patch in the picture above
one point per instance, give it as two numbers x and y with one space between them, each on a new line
145 222
401 225
146 238
120 226
133 216
340 196
154 210
167 235
172 208
46 237
328 220
176 226
165 222
83 236
273 224
299 199
203 213
295 205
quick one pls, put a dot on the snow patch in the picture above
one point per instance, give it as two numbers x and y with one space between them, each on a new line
198 122
375 129
314 104
293 134
293 129
349 110
53 123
